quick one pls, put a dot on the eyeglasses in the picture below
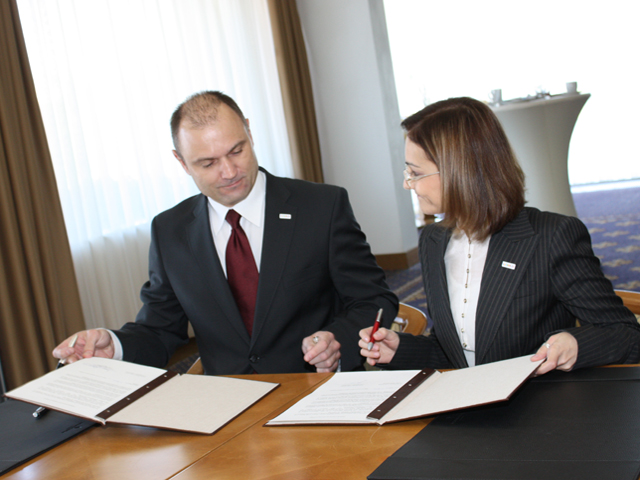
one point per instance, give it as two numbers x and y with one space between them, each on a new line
410 178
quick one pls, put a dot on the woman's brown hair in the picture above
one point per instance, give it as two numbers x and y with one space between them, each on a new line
482 182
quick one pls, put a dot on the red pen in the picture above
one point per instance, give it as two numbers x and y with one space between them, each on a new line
376 325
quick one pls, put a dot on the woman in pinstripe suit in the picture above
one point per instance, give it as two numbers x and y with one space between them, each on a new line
501 280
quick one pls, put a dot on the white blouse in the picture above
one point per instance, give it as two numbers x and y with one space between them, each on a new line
464 262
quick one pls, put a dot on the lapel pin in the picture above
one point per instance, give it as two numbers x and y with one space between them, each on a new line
510 266
285 216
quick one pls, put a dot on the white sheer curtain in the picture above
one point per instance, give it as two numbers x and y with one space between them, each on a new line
108 74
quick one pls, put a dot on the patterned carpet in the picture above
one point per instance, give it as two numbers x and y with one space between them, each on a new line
407 285
613 220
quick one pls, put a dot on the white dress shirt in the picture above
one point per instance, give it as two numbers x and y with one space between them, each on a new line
464 262
251 209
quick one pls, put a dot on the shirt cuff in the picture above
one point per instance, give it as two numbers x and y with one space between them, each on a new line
118 353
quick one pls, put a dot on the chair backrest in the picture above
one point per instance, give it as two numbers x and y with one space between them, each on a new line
631 300
410 320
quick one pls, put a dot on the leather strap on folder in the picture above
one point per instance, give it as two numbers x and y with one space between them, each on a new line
129 399
402 393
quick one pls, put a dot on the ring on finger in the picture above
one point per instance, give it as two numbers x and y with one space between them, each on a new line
546 344
316 339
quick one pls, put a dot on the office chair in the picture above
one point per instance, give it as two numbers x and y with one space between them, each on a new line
631 300
410 320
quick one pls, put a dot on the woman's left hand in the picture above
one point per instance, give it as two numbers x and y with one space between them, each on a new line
561 352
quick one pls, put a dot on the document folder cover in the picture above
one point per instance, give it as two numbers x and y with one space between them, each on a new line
361 398
584 424
23 437
111 391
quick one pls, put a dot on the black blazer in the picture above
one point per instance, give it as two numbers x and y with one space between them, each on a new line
317 273
557 279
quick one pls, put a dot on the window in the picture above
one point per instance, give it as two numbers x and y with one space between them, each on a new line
468 48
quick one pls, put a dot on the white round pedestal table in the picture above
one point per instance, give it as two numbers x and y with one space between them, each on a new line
540 131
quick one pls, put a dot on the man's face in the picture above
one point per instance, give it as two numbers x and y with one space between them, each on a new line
220 157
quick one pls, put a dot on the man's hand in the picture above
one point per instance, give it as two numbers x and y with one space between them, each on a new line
89 343
322 350
561 352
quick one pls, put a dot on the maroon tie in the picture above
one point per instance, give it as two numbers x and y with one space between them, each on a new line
242 273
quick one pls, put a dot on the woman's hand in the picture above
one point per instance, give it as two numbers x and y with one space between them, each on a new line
384 348
561 352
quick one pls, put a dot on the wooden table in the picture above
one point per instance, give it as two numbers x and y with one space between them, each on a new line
244 448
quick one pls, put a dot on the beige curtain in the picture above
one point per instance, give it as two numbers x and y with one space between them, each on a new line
295 82
39 301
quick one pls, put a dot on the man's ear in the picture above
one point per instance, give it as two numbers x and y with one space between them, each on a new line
184 165
246 120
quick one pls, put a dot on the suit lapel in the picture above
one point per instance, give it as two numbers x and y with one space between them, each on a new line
203 249
510 252
279 224
439 305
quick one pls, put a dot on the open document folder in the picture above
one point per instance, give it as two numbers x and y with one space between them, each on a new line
112 391
391 396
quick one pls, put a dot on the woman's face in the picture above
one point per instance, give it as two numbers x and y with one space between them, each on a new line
428 188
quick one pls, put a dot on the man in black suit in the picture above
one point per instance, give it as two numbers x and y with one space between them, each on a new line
318 281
